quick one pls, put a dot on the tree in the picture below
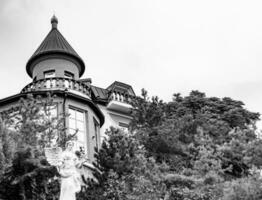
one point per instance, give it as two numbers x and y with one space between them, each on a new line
123 171
33 128
7 147
185 118
204 140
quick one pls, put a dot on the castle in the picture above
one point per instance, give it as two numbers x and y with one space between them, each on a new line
56 67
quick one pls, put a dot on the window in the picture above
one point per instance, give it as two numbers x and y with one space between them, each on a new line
77 125
69 75
123 126
50 111
96 136
50 115
49 74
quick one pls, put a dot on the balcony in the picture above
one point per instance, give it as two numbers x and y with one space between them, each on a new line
49 84
119 101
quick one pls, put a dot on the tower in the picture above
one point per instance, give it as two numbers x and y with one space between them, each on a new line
55 57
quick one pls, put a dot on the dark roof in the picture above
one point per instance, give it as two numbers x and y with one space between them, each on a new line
122 87
55 44
99 93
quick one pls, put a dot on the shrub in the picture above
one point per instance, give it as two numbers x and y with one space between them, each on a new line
248 188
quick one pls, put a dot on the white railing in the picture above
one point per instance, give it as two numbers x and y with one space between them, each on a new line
57 83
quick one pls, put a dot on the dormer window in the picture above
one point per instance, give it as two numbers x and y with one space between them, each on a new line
69 75
49 74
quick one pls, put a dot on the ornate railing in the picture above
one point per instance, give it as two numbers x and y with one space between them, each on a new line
120 96
56 84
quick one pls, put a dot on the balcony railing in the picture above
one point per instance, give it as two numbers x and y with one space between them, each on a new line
58 84
120 96
120 101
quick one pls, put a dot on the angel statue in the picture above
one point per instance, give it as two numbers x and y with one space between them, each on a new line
70 178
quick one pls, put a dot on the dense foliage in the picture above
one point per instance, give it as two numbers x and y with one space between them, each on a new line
194 148
123 171
208 143
168 130
24 131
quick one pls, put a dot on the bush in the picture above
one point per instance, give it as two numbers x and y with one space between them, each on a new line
28 177
248 188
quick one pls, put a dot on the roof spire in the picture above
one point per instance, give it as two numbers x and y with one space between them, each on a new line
56 45
54 21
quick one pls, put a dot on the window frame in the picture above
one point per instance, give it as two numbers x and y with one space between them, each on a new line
97 132
49 71
85 131
71 75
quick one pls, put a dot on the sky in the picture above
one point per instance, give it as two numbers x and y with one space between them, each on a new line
164 46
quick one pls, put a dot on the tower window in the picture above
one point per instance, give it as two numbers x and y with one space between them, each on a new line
49 74
69 75
77 124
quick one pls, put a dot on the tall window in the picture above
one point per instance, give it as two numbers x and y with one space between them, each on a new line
77 125
49 74
96 136
50 116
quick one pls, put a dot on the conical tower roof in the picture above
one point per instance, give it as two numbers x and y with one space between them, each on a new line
55 44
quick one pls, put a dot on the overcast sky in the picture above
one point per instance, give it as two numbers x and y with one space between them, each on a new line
164 46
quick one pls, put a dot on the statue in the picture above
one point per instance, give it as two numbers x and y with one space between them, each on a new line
70 178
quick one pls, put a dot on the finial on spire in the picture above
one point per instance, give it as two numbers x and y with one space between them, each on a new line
54 21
